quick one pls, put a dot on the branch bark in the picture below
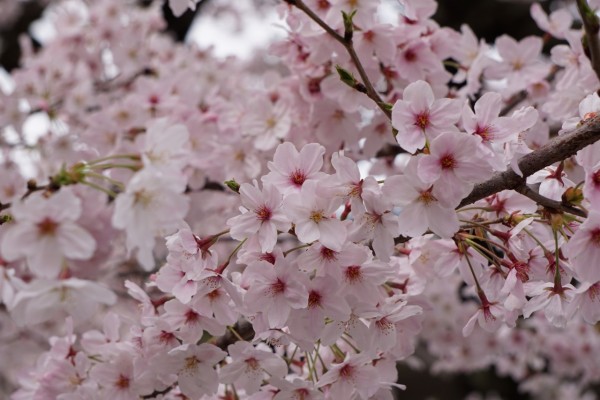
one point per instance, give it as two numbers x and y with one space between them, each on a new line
591 25
549 203
557 149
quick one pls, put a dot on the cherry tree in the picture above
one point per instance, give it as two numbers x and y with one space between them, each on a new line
388 192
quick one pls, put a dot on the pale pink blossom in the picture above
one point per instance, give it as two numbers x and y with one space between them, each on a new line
454 165
419 116
312 211
354 375
290 168
583 249
262 217
586 301
267 123
46 233
153 204
553 300
120 380
194 364
275 290
557 23
43 300
165 145
421 210
520 63
249 365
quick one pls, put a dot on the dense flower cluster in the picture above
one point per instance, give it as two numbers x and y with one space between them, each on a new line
193 229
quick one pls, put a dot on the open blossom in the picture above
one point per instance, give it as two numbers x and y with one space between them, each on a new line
419 116
520 63
553 300
44 300
46 233
267 123
454 165
312 212
263 216
421 209
250 365
120 379
557 23
275 290
589 107
355 375
290 168
152 205
194 364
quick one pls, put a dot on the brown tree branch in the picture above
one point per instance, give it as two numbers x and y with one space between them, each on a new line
557 149
591 25
549 203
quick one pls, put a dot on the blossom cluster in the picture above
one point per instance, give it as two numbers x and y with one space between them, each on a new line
188 227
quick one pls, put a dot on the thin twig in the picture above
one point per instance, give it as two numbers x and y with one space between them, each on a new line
349 46
549 203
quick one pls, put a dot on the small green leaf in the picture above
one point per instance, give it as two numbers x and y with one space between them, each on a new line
233 185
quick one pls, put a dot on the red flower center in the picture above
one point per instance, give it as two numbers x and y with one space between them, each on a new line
422 120
122 382
263 213
47 227
448 162
297 177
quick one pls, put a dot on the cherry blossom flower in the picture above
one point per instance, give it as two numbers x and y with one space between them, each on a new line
165 145
152 205
46 233
43 300
557 23
250 365
418 116
275 290
554 301
268 123
290 168
420 207
520 64
355 375
120 380
263 216
454 165
196 375
312 212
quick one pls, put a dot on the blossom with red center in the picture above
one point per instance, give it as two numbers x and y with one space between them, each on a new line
290 169
454 165
419 117
263 216
354 376
275 290
312 211
194 365
45 232
250 365
421 207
